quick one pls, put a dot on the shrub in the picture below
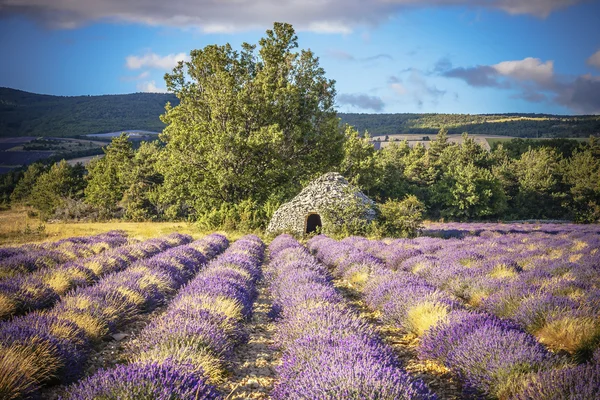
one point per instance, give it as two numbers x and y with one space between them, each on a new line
401 218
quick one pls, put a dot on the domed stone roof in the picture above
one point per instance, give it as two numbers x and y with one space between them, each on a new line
300 215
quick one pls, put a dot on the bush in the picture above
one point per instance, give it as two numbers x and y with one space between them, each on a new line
401 218
350 217
247 216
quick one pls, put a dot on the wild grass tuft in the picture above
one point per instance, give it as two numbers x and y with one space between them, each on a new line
7 306
203 361
424 315
571 334
220 304
24 367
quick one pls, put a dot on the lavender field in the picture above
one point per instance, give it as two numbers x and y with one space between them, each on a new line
466 311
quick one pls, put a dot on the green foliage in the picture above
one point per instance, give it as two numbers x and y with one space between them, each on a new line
541 192
140 198
352 216
516 147
466 188
28 114
51 188
246 216
358 164
8 183
250 125
125 181
469 192
582 175
23 187
517 125
391 181
108 177
401 218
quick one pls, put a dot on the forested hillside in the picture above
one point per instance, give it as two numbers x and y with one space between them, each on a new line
516 125
29 114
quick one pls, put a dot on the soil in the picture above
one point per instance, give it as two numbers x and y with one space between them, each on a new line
253 369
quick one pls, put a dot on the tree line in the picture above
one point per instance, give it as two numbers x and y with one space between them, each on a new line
452 182
252 127
29 114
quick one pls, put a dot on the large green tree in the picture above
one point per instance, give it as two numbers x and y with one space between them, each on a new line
52 188
541 192
251 125
108 177
582 175
23 187
358 164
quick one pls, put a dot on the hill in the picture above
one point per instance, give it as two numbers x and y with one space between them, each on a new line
515 125
29 114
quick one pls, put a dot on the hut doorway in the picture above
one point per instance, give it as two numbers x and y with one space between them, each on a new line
313 221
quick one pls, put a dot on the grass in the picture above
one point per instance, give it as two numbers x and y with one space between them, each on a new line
17 226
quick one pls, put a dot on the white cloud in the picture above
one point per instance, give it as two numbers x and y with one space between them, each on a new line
150 87
332 16
594 60
530 68
153 60
398 88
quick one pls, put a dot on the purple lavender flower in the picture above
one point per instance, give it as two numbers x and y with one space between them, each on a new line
581 382
166 380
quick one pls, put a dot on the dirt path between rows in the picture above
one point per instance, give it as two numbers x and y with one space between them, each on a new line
253 368
439 379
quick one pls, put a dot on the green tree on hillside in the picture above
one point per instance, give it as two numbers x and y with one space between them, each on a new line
582 174
140 198
541 191
467 189
254 124
108 177
23 188
358 164
62 181
391 182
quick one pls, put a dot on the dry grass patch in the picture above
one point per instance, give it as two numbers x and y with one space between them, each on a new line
17 227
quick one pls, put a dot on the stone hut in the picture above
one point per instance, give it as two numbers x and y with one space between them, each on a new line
304 213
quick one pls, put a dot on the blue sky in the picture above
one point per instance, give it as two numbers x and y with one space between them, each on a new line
442 56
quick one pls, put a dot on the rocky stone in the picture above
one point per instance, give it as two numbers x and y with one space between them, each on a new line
329 191
119 336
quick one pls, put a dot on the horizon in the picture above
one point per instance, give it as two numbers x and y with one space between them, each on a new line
404 56
339 112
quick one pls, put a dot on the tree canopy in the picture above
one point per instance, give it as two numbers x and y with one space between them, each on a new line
252 125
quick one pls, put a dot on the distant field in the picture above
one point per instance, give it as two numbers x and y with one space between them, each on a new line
16 226
413 139
83 160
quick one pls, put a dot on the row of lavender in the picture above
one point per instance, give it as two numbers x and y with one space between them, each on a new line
329 351
20 260
543 277
53 346
548 284
494 357
183 353
43 288
461 229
